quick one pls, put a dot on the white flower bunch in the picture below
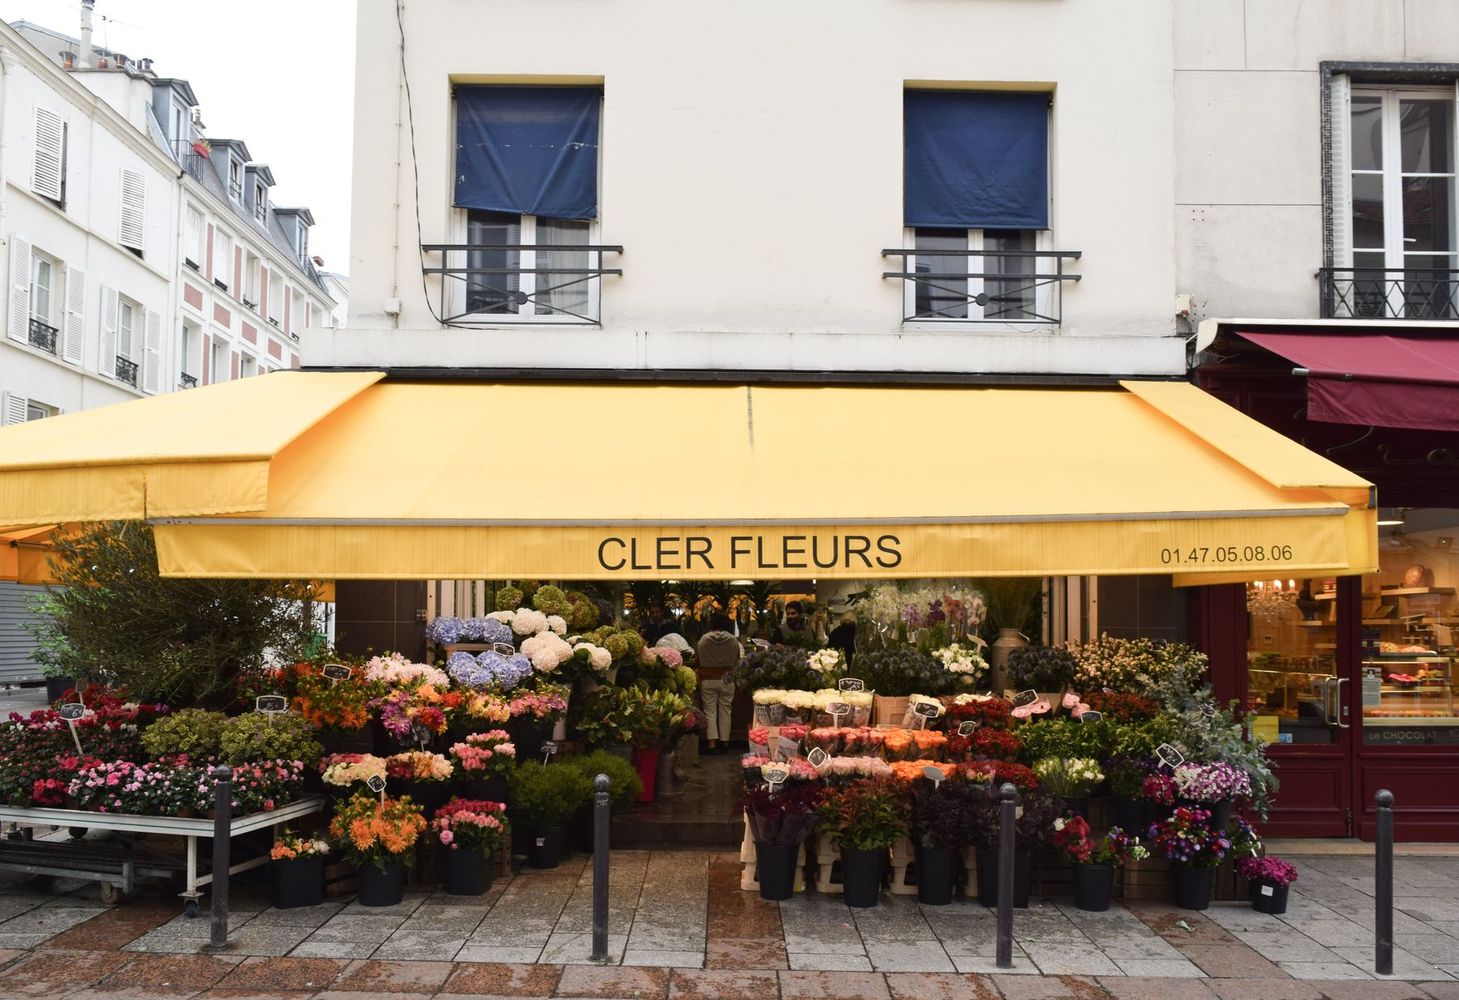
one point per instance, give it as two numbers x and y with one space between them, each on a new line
525 621
971 699
825 661
961 660
557 624
797 700
598 657
546 650
922 699
768 696
856 767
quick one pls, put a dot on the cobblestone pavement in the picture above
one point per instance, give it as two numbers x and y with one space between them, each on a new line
681 929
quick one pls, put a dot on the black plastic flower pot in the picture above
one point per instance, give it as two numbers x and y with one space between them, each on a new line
988 877
1128 815
544 848
528 735
429 795
1094 887
936 875
1220 813
382 887
1268 897
1192 886
297 883
775 864
468 872
492 788
861 873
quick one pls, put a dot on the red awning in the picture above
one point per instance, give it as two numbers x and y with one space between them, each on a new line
1382 379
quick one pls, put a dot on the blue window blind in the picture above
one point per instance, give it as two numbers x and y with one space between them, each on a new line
976 159
529 150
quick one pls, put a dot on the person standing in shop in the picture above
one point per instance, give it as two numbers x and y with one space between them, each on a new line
795 629
657 625
717 654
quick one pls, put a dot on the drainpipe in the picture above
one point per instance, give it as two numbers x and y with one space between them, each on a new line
7 66
87 54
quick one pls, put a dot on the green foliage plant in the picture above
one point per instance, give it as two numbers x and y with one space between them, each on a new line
1042 668
542 795
624 784
865 815
254 737
196 732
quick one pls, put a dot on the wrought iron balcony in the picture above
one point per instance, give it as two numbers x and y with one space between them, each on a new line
126 370
1389 292
187 381
983 286
484 284
43 335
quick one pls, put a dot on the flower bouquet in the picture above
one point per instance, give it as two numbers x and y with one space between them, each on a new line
1069 778
535 714
1213 786
943 824
1269 879
488 670
470 830
325 703
379 838
422 775
396 671
982 744
782 667
482 760
340 772
964 661
297 871
1095 859
1187 839
864 819
781 818
987 710
841 770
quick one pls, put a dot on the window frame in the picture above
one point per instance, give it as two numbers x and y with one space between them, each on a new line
131 309
1044 292
37 258
526 260
260 200
223 263
194 237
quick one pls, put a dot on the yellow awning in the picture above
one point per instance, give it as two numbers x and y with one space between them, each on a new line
24 554
392 479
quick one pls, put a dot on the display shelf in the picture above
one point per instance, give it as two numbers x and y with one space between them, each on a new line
1409 591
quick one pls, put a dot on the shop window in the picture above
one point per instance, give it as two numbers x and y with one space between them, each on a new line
515 269
1292 662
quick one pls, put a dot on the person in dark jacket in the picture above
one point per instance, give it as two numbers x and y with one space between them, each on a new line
717 654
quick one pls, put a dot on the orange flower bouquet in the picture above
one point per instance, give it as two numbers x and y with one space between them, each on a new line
378 833
342 705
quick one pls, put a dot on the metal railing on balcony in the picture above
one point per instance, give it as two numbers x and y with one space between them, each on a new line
983 286
43 335
126 370
186 381
487 284
1389 292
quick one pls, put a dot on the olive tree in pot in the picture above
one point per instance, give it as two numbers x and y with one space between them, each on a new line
542 797
864 818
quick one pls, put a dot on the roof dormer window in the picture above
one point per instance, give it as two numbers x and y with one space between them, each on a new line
235 178
260 201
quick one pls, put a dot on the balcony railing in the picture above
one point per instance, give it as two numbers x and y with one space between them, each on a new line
1389 292
126 371
187 381
983 286
43 335
484 284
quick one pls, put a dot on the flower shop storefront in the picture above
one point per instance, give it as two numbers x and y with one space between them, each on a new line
1135 479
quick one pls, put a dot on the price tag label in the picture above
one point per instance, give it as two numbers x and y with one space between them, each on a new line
933 774
504 649
337 671
1025 698
74 711
421 733
1267 890
1209 711
817 757
851 684
1091 716
776 775
1169 755
927 709
377 784
966 728
549 748
271 704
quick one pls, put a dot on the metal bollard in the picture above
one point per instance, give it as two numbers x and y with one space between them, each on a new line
1007 814
1383 890
222 850
600 869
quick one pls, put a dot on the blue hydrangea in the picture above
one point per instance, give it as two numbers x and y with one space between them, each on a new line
495 631
444 630
464 670
472 629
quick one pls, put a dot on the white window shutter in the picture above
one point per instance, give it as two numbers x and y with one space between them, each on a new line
134 209
1341 169
73 323
17 408
18 327
50 154
107 361
152 356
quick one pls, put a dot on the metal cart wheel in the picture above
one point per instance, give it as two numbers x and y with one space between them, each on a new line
111 894
190 908
77 832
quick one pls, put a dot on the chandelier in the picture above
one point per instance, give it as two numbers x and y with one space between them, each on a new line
1271 600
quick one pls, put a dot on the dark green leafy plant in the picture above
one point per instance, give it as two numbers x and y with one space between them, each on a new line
112 617
542 795
192 731
776 667
943 814
902 670
865 815
624 784
254 737
1042 668
1067 738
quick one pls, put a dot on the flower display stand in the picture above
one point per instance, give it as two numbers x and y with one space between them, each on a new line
749 880
1148 879
903 856
827 855
970 872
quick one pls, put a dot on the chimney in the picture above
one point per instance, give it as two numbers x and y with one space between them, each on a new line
87 54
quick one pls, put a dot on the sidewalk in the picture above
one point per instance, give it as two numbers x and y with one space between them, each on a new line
681 928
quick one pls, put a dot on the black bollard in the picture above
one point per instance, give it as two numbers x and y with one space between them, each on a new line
600 869
1007 814
222 849
1383 890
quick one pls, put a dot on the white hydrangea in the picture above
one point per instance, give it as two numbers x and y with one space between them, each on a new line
557 624
529 622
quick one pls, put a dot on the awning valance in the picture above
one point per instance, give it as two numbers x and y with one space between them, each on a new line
1380 378
396 479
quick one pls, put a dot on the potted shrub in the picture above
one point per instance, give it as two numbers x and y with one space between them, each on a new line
297 871
781 818
1268 881
469 830
1129 810
624 787
1095 859
864 818
1188 840
1212 787
192 731
422 775
942 825
1032 829
481 763
542 796
1070 779
378 837
257 737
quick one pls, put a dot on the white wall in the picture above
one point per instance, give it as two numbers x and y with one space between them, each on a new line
1248 182
752 169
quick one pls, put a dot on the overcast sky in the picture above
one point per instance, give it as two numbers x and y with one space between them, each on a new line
278 74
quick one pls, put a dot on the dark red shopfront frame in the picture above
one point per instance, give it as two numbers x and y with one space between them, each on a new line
1328 790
